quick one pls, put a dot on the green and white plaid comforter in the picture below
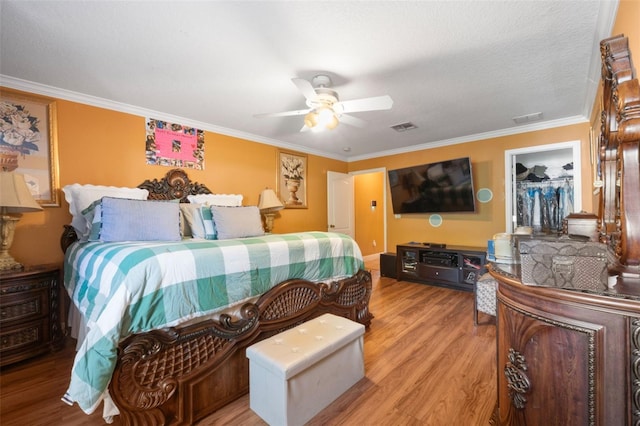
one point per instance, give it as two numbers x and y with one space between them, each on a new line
131 287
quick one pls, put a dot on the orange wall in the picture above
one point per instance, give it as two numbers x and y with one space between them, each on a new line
369 222
104 147
487 160
628 23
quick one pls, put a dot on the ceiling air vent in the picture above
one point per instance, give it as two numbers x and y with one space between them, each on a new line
527 118
403 127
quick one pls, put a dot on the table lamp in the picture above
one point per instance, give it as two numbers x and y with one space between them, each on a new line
269 204
15 198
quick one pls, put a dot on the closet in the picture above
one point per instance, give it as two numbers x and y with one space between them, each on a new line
543 186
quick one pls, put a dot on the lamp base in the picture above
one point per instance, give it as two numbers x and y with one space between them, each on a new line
268 222
8 263
7 229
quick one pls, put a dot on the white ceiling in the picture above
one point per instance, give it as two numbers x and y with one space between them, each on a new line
458 70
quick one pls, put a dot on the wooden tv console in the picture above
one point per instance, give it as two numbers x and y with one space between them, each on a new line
455 267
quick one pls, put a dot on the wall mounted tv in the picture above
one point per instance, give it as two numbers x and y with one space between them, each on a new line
441 187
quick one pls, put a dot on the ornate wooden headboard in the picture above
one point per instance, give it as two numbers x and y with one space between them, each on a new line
174 185
619 167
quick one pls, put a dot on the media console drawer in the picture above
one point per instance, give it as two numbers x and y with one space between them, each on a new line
439 273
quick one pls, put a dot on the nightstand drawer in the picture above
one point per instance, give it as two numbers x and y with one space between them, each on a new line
24 306
26 336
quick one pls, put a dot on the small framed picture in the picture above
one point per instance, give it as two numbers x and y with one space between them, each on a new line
28 142
292 179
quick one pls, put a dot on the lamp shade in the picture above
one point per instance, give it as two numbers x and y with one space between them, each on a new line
15 196
269 201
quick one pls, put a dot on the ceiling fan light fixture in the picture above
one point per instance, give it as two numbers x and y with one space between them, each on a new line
327 118
311 119
321 118
333 123
325 110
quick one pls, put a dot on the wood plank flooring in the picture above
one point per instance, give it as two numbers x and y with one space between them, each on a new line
425 362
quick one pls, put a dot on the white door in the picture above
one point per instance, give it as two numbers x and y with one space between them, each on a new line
340 199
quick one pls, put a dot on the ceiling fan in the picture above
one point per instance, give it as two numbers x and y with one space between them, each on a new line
326 110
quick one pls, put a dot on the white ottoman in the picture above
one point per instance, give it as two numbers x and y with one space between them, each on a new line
295 374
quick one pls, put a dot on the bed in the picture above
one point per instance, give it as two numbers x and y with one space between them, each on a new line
168 321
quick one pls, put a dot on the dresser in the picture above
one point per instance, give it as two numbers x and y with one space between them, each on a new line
566 357
29 313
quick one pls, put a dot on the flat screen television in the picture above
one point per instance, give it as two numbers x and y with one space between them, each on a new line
441 187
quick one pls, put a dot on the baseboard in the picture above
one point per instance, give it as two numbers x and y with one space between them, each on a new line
371 257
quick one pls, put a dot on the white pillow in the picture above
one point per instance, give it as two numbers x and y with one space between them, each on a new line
80 197
139 220
237 222
228 200
186 219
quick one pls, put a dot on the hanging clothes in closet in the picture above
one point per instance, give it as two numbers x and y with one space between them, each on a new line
543 205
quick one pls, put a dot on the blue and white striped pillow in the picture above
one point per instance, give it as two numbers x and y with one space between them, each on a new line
209 225
93 216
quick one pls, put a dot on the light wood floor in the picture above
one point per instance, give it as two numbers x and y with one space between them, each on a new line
425 362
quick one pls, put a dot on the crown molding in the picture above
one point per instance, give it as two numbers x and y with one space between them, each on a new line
542 125
55 92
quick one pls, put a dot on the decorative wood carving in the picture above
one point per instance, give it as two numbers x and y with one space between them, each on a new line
635 370
517 380
619 166
174 185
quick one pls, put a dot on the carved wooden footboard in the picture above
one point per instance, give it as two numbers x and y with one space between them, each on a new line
179 375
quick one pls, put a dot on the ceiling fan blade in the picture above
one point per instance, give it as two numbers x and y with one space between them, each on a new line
352 121
365 104
305 88
283 114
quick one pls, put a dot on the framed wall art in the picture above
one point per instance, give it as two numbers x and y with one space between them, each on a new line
292 179
28 142
174 145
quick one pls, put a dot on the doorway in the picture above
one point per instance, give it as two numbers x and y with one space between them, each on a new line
368 205
556 164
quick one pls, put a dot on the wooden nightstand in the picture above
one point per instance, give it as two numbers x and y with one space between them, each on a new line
29 313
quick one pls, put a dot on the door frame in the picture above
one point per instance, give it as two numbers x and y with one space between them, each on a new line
383 196
509 176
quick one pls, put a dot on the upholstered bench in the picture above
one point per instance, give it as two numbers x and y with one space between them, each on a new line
295 374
